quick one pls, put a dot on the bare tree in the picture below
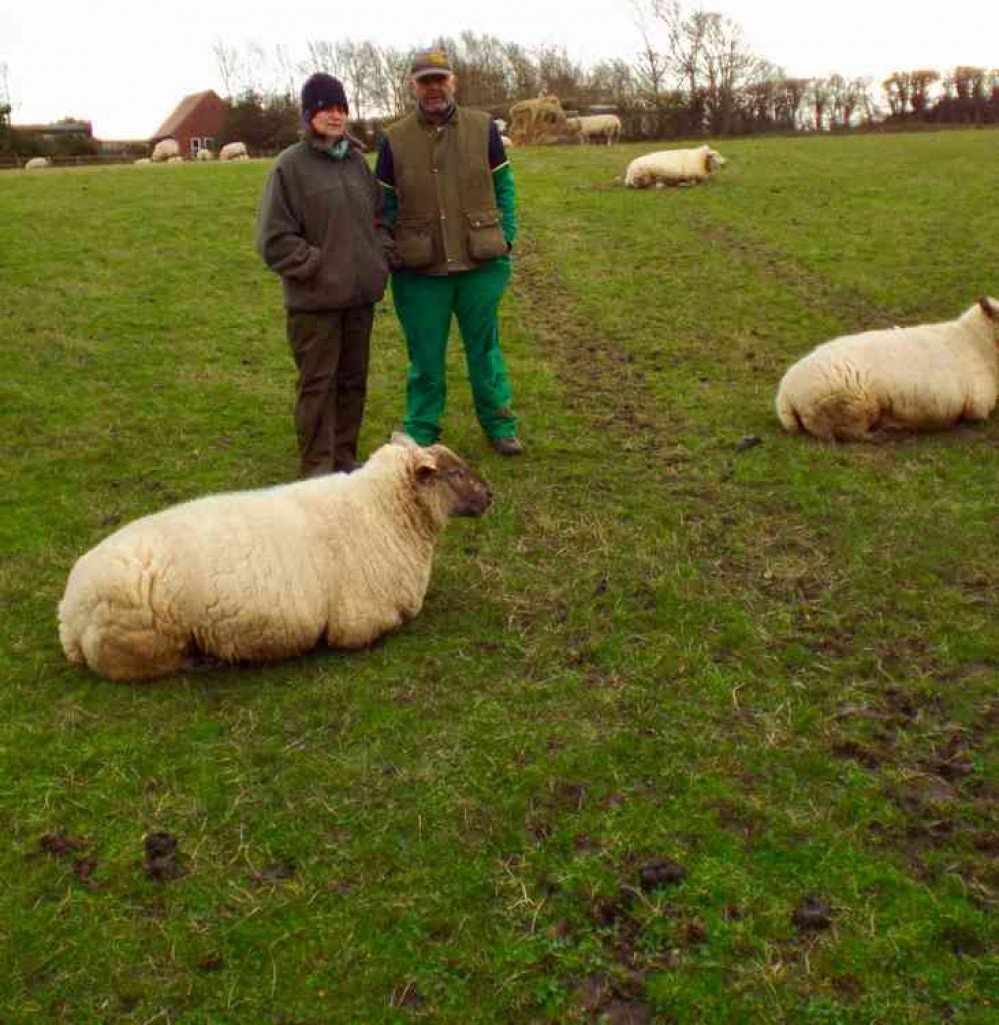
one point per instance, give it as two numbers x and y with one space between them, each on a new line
818 96
653 66
727 66
228 62
287 71
921 83
6 108
320 56
897 87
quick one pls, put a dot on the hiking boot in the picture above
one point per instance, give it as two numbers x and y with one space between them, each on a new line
509 446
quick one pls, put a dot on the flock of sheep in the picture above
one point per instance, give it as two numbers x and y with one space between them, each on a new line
267 574
166 151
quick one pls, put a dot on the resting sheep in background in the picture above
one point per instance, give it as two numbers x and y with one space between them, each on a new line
596 127
205 154
37 163
164 150
673 167
917 378
234 151
266 574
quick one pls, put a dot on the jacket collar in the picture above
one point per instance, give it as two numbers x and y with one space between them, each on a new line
320 143
450 118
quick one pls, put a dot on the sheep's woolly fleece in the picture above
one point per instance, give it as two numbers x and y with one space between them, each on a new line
915 378
673 167
263 575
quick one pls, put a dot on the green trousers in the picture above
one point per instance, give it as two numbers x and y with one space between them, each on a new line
425 306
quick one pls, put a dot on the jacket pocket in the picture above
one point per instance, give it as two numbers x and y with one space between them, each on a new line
414 240
486 240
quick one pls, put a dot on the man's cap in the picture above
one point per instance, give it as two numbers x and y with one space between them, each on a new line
429 62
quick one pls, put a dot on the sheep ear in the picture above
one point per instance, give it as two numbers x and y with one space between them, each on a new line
426 468
989 308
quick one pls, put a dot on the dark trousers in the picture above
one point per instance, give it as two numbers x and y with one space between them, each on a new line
331 352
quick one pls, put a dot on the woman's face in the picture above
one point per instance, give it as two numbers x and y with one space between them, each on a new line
330 122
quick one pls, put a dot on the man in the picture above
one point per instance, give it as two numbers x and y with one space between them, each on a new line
321 227
450 197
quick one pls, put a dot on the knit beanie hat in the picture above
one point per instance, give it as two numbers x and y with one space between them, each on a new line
320 92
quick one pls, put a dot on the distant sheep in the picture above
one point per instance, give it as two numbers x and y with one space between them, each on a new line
266 574
919 378
673 167
37 163
596 128
234 151
205 154
143 161
175 160
164 150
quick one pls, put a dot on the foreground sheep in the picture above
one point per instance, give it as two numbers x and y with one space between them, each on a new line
37 163
164 150
596 127
234 151
924 378
673 167
266 574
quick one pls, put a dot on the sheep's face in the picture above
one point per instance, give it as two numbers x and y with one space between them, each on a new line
460 490
714 160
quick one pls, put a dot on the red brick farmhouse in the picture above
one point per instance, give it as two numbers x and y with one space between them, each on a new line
196 123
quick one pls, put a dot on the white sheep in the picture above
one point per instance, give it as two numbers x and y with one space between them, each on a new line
673 167
926 377
234 151
142 161
267 574
165 149
205 154
175 160
593 127
37 163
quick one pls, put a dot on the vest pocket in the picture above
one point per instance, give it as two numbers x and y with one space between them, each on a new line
414 238
486 240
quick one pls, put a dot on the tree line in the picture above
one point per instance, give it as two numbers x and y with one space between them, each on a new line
694 74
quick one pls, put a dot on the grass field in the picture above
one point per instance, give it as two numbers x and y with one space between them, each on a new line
689 730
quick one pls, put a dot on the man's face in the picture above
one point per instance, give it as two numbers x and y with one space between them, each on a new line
330 123
434 92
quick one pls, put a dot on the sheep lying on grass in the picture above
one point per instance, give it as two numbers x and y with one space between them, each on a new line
919 378
37 163
262 575
234 151
673 167
164 150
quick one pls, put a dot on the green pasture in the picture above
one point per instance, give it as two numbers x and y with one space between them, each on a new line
698 723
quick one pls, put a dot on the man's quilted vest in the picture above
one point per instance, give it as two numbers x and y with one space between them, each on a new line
447 217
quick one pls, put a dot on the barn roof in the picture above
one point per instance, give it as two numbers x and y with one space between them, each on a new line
182 111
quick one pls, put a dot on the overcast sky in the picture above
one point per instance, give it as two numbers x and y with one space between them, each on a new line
125 66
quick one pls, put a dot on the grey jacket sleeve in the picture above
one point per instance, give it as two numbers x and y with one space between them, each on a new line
280 234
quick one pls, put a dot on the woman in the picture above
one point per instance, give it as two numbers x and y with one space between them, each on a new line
320 227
